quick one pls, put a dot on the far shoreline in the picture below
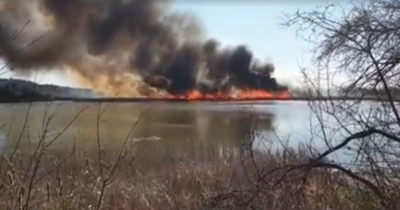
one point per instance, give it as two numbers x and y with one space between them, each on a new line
169 100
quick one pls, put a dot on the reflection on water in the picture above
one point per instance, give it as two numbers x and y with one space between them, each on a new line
159 130
162 128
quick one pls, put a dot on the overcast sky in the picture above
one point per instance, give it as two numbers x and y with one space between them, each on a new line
253 23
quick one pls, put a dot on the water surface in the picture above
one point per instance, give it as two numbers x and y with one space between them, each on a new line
162 129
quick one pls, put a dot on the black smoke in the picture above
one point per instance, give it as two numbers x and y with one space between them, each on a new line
134 36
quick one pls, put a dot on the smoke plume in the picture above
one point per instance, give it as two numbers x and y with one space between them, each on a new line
137 47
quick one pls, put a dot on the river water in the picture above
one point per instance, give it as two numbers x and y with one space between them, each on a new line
165 128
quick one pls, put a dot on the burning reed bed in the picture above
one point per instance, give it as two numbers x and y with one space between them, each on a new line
79 179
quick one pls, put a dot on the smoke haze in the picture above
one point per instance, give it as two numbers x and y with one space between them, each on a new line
125 47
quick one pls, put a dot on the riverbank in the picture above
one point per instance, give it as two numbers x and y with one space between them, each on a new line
174 100
20 91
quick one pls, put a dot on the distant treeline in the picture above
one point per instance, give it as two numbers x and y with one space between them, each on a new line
370 91
347 92
19 90
13 90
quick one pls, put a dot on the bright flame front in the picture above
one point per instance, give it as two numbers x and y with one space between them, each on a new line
236 95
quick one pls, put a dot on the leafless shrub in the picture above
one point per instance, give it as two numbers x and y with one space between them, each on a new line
363 45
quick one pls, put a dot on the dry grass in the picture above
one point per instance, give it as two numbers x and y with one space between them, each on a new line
76 179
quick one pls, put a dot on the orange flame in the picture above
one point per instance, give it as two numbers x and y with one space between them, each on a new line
247 94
